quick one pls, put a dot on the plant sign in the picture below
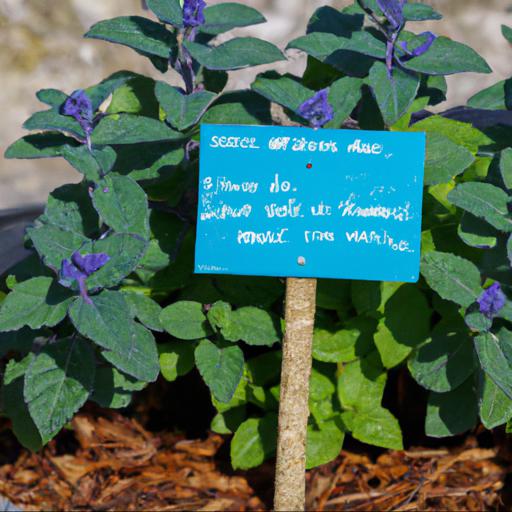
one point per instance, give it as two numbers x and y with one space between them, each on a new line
300 202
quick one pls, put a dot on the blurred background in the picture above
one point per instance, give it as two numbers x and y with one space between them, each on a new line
41 46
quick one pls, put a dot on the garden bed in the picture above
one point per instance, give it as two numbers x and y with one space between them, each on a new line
109 461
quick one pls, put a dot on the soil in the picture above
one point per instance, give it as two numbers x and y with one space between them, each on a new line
159 455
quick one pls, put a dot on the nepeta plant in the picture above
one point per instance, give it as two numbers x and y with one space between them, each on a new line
82 323
80 317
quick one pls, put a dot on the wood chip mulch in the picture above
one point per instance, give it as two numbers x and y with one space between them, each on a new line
118 465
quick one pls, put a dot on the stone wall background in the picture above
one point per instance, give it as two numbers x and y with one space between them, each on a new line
41 46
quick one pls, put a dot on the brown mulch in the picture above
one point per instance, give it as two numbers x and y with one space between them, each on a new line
118 465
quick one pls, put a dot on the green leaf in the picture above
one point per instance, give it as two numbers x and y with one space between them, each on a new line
176 359
140 34
252 325
323 445
182 110
476 320
463 134
34 303
394 95
237 53
494 355
495 406
446 57
57 383
122 204
226 16
113 389
148 161
476 232
330 20
495 97
131 129
54 244
107 320
446 361
239 398
341 344
254 441
100 92
15 407
445 159
420 12
92 164
391 352
168 11
68 219
506 167
39 145
239 107
285 90
453 278
140 358
125 253
53 120
185 320
69 207
167 233
220 315
344 95
378 427
406 324
51 97
452 413
321 386
507 33
366 296
145 309
361 384
322 45
229 421
484 201
221 368
136 96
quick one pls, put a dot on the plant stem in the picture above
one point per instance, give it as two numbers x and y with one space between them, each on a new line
290 484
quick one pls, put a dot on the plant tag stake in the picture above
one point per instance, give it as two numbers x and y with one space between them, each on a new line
306 204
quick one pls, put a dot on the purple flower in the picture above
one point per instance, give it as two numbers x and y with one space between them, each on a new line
193 13
79 268
79 106
492 301
393 10
317 109
422 48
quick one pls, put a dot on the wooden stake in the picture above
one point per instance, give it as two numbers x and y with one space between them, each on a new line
290 484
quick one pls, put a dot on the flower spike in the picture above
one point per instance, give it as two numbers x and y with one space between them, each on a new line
317 109
492 301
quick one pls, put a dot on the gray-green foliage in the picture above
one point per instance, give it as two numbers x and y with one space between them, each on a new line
93 338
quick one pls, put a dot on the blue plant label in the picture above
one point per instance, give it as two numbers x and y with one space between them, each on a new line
298 202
